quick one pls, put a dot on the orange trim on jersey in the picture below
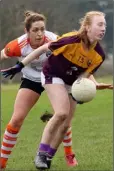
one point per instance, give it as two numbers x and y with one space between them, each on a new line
12 49
47 39
23 43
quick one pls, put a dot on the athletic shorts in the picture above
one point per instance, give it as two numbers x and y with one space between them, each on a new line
35 86
54 80
57 80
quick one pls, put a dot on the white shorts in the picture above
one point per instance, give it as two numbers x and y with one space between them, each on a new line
54 80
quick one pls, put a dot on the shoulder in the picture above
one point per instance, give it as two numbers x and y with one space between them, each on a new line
22 38
50 35
13 48
72 33
70 38
66 41
99 50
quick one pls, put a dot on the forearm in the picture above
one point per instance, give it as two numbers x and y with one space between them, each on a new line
3 56
91 77
84 75
35 54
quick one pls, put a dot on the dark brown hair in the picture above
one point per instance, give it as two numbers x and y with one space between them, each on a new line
31 17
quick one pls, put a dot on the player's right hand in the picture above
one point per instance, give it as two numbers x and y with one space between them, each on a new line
12 71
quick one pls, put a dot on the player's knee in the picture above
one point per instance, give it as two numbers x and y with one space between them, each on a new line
61 116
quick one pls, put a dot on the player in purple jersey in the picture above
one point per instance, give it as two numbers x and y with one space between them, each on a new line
74 55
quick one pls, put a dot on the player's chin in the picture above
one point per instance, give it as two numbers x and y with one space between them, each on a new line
99 38
37 42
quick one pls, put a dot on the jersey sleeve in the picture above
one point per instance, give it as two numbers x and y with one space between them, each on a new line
12 49
57 46
61 44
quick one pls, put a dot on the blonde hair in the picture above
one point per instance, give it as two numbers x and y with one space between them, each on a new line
31 17
87 19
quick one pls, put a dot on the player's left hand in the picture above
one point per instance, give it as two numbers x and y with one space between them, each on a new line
102 86
111 87
12 71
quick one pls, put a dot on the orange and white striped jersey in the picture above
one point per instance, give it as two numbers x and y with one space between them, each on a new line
21 47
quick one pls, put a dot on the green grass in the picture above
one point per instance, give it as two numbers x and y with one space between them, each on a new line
92 133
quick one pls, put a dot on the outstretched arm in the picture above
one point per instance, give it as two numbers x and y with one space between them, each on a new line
100 86
18 67
91 77
35 54
3 55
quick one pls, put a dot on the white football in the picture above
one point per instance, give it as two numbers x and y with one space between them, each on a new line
83 90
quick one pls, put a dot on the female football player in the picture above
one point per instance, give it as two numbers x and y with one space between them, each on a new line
30 88
74 55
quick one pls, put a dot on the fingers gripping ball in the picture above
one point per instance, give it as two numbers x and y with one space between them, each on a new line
83 90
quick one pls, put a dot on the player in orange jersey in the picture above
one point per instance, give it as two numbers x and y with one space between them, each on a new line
74 55
30 88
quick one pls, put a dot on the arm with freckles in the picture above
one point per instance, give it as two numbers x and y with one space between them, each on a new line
3 55
37 52
100 86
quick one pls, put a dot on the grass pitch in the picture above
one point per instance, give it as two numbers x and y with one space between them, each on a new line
92 133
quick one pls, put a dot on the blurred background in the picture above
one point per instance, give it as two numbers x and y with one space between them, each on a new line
62 16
